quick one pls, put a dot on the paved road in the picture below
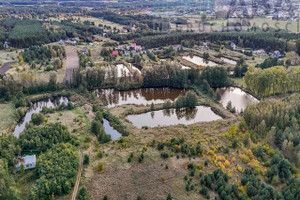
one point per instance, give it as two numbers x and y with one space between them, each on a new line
6 66
78 177
72 64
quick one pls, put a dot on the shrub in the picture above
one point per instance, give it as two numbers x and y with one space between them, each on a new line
37 118
86 159
82 194
100 166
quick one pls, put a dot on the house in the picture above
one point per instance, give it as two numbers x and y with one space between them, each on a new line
233 46
29 162
276 54
126 53
115 53
138 48
260 51
6 45
121 47
133 45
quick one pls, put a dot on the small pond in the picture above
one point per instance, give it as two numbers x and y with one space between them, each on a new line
239 99
173 117
37 108
199 61
143 96
110 130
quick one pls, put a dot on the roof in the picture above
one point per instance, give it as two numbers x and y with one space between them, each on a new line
29 159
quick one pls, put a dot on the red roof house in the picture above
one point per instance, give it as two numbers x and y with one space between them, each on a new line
115 53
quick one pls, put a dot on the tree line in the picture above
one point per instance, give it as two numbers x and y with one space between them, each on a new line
242 39
273 80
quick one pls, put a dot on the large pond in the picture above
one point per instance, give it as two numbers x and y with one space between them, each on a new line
143 96
174 117
37 108
239 99
199 61
110 130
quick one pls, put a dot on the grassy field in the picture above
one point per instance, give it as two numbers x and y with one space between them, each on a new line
7 116
98 21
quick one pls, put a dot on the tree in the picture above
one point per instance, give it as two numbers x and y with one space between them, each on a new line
82 194
57 169
8 188
96 127
169 197
191 100
37 118
43 138
86 159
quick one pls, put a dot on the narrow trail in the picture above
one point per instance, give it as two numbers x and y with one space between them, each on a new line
78 177
72 63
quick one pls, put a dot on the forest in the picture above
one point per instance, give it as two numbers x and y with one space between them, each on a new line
242 39
273 80
44 56
23 33
152 22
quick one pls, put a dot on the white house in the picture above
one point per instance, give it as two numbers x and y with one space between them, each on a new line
29 162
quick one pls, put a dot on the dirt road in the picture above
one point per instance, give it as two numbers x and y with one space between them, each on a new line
72 64
78 177
6 66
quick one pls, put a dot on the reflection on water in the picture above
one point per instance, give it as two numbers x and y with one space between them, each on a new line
199 61
173 117
110 130
144 96
37 108
240 99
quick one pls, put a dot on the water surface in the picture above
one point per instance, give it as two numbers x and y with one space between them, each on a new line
37 108
239 99
199 61
173 117
143 96
110 130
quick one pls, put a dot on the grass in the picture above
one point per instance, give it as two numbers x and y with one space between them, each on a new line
78 111
239 81
7 116
25 182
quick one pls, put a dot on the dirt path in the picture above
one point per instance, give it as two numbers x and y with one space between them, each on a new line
6 66
72 63
78 177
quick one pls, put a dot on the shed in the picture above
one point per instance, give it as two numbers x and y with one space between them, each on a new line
28 161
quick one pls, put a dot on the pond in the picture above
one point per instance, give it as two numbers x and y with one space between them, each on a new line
239 99
110 130
229 61
143 96
199 61
170 117
37 108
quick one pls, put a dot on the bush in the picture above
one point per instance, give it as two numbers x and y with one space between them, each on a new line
100 166
82 194
141 158
96 127
86 159
37 118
